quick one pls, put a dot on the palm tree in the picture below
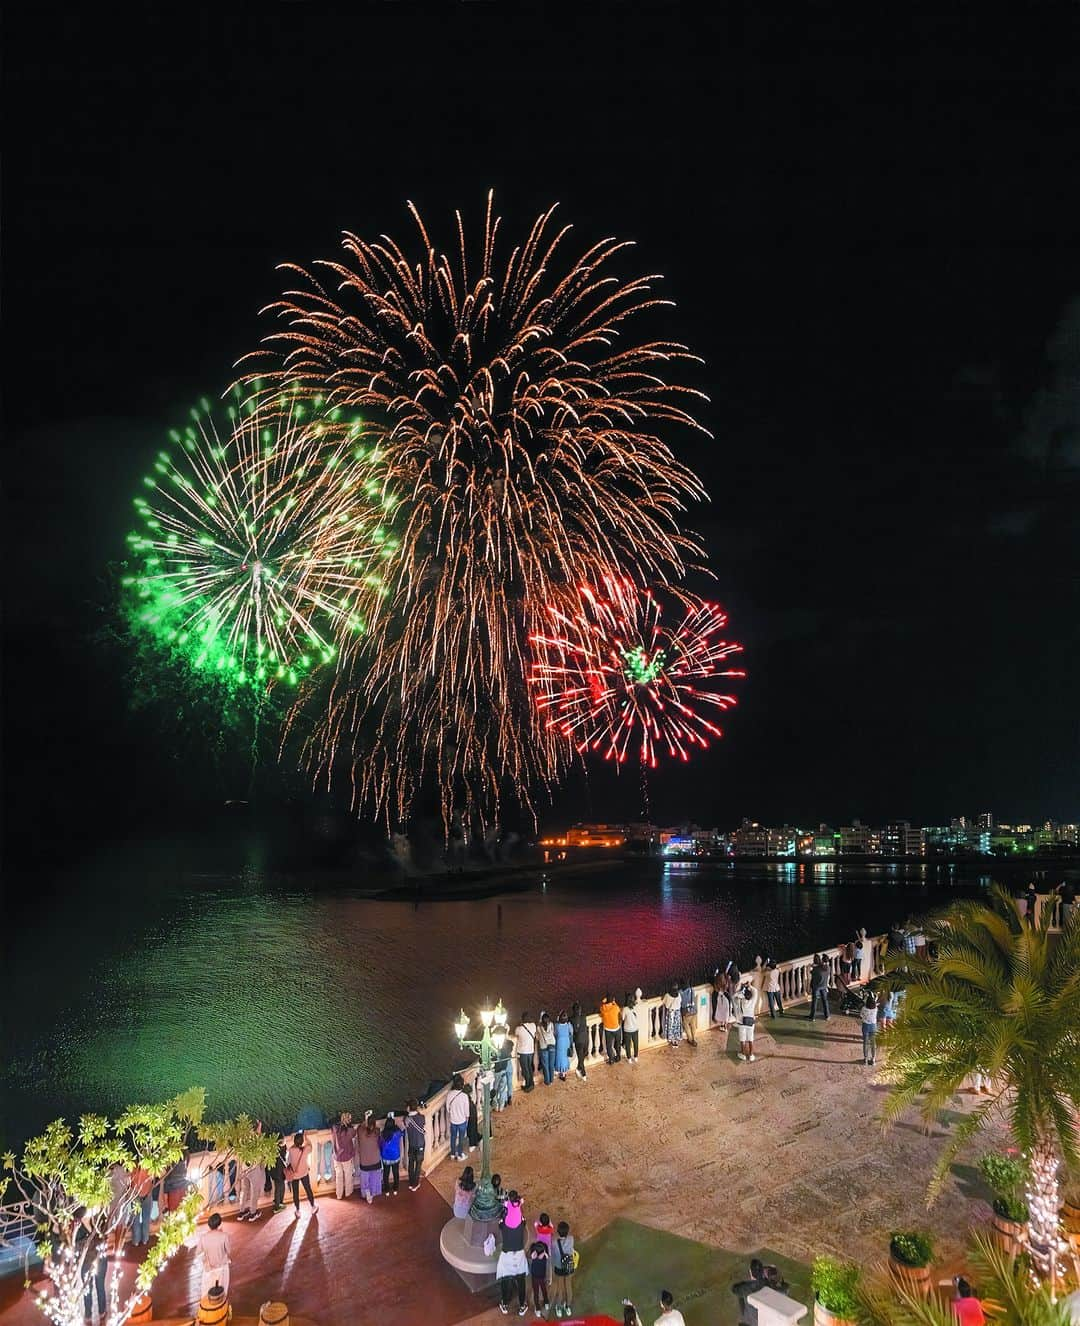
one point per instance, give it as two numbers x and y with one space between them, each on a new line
999 997
1004 1286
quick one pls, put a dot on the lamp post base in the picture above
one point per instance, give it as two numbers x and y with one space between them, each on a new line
467 1257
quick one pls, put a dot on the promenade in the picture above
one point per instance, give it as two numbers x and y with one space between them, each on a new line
671 1174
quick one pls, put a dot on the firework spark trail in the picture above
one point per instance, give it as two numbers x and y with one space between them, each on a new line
611 676
518 420
259 540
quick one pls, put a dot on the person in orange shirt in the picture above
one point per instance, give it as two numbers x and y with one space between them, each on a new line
609 1019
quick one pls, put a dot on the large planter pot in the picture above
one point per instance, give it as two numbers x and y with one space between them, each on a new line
823 1317
1008 1235
142 1312
914 1279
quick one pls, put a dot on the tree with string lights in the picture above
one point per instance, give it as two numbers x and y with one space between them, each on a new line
76 1186
998 996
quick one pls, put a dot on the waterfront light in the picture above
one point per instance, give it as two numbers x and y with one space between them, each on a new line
461 1026
487 1015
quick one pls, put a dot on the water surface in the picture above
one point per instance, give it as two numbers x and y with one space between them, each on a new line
275 992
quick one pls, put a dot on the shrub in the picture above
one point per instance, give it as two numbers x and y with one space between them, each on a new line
912 1248
1006 1176
834 1284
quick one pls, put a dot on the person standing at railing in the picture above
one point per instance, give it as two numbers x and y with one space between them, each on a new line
390 1154
673 1015
579 1024
630 1028
564 1039
772 990
525 1048
344 1155
252 1181
609 1020
298 1172
472 1131
369 1154
688 1009
819 987
545 1039
416 1140
276 1173
503 1090
457 1112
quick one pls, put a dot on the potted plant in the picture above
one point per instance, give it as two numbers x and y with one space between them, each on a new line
910 1255
834 1285
1006 1176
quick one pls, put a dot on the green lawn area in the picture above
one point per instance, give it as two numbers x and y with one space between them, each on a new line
628 1260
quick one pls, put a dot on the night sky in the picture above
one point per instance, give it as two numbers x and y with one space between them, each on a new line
871 236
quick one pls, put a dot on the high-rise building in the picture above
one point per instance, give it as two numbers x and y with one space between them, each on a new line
985 820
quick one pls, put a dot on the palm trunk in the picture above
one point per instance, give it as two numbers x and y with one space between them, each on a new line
1044 1201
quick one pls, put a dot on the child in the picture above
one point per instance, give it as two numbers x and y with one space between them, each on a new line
563 1257
539 1265
500 1191
545 1232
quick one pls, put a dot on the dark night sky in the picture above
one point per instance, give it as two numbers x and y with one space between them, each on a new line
871 236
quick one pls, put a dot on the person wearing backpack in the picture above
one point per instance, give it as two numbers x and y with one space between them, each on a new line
566 1260
525 1048
390 1154
416 1137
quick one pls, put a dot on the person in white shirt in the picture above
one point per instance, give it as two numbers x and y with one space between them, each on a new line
629 1017
457 1111
214 1247
669 1314
744 1006
525 1049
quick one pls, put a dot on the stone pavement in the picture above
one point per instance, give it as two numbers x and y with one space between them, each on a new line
785 1154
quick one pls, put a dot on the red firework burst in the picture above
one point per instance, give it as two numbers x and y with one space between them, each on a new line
613 676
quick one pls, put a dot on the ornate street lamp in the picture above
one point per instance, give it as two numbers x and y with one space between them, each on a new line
485 1205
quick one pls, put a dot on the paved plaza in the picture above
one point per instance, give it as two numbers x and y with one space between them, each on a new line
671 1173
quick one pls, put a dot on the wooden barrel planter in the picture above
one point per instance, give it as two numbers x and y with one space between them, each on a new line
1008 1235
823 1317
214 1307
914 1280
143 1310
274 1314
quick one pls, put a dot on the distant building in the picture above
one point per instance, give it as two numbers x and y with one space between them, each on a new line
750 839
857 839
985 820
826 843
900 839
588 835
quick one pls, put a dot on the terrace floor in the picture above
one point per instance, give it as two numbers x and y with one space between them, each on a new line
672 1173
